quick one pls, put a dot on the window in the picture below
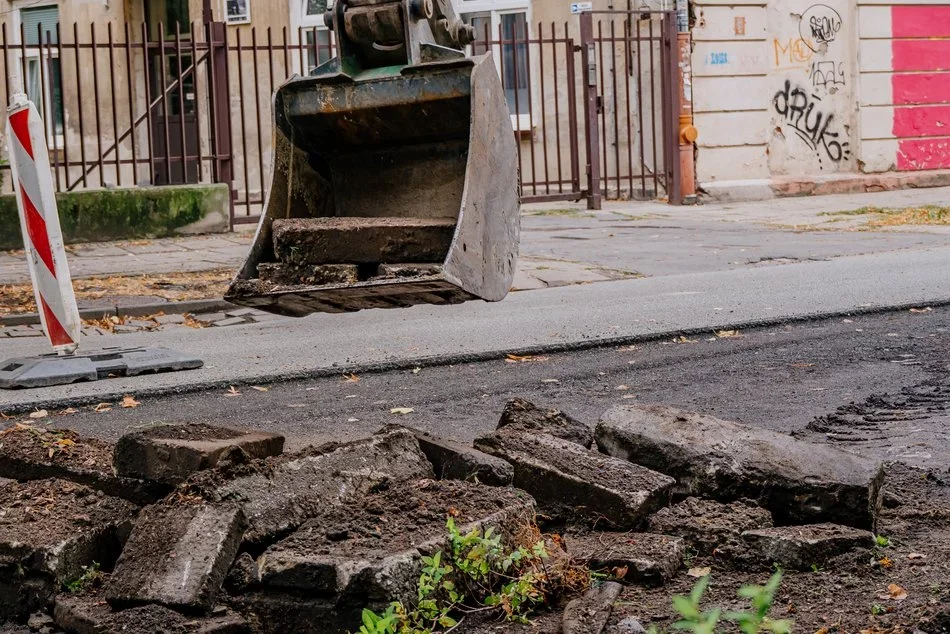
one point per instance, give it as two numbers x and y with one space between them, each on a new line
506 31
315 34
38 68
237 11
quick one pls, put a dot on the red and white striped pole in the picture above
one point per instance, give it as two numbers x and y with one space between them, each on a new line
39 221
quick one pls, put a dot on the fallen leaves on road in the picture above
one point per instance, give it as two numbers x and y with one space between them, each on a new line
684 339
102 408
128 402
550 381
926 309
622 387
523 358
259 388
40 413
351 378
232 391
401 410
416 370
725 334
913 556
895 592
68 410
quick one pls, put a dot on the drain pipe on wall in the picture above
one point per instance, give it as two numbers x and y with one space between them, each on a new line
687 132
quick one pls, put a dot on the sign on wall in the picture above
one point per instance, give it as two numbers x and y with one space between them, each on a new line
237 11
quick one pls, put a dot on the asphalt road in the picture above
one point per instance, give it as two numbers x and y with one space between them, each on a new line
777 377
543 320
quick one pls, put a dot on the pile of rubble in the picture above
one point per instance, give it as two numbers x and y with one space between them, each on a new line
194 528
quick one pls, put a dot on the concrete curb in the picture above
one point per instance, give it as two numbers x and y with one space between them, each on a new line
448 359
139 310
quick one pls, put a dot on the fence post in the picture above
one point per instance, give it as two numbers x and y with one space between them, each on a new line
589 75
219 94
671 110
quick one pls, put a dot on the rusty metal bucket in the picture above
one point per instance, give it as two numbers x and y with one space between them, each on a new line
393 188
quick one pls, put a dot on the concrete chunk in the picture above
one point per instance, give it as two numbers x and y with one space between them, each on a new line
643 558
526 415
34 453
706 524
296 487
801 547
589 614
454 461
358 240
797 481
279 274
169 453
570 481
49 530
88 614
372 548
177 556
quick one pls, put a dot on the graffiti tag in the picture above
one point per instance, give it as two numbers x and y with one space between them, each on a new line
827 74
819 26
715 59
738 25
792 52
802 112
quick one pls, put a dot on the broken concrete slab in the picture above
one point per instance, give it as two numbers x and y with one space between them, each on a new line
279 274
286 613
177 556
641 558
49 530
589 614
797 481
454 461
526 415
89 614
570 482
33 453
362 240
372 548
170 453
243 575
802 547
285 492
706 524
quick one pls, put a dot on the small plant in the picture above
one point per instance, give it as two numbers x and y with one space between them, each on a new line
91 575
816 568
882 541
754 621
878 609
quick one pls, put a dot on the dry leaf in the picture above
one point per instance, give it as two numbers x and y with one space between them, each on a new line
232 391
683 339
886 562
103 407
69 410
4 416
628 396
351 378
620 572
259 388
896 592
916 556
725 334
622 387
519 358
416 370
401 410
352 420
40 413
128 401
550 381
926 309
699 572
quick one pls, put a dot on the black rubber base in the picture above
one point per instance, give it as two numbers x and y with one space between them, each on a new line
52 369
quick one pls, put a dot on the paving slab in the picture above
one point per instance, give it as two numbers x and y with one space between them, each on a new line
289 490
285 613
519 413
373 548
803 547
170 453
640 558
49 530
799 482
706 524
35 453
571 482
589 614
178 556
455 461
90 614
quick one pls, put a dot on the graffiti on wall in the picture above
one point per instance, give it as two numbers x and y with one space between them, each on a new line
819 26
805 114
793 52
827 74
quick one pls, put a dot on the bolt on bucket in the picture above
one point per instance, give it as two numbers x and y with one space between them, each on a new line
393 185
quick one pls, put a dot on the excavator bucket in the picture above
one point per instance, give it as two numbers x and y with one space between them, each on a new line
395 174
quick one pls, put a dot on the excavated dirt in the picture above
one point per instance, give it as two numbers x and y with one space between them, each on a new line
853 593
45 512
60 447
192 431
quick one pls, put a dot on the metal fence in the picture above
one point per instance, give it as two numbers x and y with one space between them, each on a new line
594 109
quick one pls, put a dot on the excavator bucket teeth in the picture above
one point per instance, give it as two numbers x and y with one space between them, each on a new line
393 188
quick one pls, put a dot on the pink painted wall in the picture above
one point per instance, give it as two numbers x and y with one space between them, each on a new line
920 51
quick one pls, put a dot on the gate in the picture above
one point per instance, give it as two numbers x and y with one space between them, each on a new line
594 103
